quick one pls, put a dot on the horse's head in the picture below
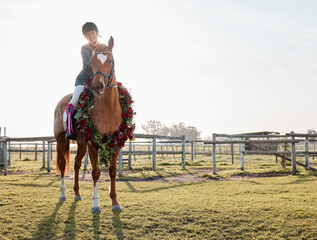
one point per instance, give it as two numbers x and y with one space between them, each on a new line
102 63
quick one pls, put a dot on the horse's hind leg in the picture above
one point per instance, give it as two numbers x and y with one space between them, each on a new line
62 147
93 155
113 174
81 151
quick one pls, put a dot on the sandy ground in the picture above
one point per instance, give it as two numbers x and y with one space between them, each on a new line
196 177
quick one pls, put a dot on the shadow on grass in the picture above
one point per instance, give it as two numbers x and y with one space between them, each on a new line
33 184
300 179
117 225
96 225
133 189
45 174
70 225
47 228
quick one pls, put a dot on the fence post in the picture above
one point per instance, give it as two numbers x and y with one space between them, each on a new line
130 155
20 155
232 161
5 157
306 153
35 152
149 149
9 152
86 161
154 153
120 163
242 156
43 154
192 150
293 155
49 146
214 169
183 151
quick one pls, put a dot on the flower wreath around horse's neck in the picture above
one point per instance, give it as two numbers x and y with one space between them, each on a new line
106 144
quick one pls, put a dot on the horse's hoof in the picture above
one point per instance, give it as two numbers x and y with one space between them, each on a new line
116 208
78 198
62 198
96 210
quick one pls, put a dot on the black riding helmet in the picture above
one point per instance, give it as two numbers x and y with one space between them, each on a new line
89 26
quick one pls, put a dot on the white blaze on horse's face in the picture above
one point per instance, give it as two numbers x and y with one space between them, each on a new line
102 57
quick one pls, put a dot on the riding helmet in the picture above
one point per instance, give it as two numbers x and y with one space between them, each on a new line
89 26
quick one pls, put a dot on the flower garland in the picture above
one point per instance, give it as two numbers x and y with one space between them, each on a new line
106 144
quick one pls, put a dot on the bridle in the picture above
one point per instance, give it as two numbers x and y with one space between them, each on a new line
108 76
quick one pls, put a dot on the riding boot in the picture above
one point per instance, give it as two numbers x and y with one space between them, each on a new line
70 122
70 112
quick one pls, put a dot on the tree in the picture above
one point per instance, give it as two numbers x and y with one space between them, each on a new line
311 131
190 132
157 128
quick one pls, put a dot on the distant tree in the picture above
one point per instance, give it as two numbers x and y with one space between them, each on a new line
311 131
191 133
157 128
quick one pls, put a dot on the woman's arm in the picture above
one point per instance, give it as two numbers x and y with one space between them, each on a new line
86 56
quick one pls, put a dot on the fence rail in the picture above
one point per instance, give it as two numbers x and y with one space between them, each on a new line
230 145
47 149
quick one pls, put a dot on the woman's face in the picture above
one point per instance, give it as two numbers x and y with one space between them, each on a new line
92 36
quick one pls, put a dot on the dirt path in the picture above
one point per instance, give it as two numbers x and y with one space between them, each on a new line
85 176
195 177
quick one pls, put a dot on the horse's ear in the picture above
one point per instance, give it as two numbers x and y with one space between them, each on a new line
110 42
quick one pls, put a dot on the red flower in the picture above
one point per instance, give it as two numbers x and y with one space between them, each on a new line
112 144
88 137
120 144
123 126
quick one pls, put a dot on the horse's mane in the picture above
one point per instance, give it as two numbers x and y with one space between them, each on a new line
101 47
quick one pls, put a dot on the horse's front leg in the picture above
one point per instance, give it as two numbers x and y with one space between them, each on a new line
93 155
81 151
113 174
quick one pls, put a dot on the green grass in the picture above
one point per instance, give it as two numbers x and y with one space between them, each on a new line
260 207
257 208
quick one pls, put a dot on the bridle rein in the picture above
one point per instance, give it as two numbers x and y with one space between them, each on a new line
108 76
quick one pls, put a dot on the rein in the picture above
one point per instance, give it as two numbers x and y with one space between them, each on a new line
108 76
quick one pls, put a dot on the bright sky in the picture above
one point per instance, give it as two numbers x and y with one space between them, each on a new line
223 66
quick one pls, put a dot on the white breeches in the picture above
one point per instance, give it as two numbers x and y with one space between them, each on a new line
78 90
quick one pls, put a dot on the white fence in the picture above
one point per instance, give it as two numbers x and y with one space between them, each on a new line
45 145
47 148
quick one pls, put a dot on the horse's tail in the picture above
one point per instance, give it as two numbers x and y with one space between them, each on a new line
67 159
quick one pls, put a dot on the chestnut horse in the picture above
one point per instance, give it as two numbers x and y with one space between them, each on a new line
106 116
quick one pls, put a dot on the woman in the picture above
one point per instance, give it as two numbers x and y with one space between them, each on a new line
90 32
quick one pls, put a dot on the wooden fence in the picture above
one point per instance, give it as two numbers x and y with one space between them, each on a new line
47 149
45 145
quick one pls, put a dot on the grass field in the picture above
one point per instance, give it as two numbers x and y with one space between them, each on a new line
236 205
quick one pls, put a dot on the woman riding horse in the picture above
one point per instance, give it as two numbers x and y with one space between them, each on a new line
90 32
106 115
